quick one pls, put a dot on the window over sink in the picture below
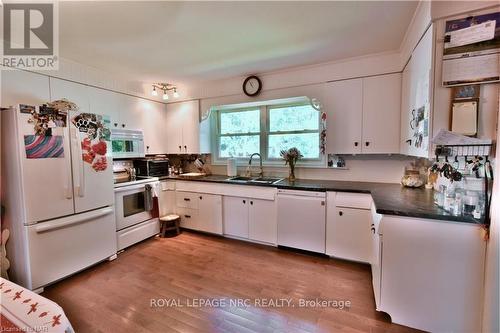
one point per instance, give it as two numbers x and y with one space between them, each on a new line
267 128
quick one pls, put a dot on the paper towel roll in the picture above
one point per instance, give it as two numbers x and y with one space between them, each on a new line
231 167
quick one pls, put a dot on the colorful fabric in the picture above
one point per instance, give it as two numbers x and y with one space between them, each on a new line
21 310
40 146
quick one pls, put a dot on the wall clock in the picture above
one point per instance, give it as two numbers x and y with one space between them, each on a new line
252 86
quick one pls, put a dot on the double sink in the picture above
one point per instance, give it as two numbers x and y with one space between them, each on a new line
255 180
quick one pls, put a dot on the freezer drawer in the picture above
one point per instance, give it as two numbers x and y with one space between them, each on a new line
61 247
137 233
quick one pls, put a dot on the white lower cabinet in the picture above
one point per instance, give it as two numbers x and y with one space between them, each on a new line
262 221
432 273
210 213
235 216
348 226
200 211
248 218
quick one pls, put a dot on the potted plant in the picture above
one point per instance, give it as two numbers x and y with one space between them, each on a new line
291 156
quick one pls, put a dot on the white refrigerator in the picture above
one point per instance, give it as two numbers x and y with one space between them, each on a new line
57 192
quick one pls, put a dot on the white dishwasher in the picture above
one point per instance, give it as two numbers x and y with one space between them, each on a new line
302 220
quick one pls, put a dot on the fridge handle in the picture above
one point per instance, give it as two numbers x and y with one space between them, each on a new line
81 173
72 220
69 180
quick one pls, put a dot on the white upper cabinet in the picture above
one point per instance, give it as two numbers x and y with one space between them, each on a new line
344 105
154 123
105 102
131 112
416 93
21 87
74 92
364 115
381 114
183 127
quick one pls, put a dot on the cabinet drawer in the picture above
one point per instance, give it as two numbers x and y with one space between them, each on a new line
186 200
353 200
189 218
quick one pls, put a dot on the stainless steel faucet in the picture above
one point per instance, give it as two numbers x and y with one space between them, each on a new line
248 171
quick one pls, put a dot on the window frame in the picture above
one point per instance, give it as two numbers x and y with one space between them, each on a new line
218 133
263 134
268 132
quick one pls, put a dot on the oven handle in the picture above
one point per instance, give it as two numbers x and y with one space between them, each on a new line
148 197
132 187
71 220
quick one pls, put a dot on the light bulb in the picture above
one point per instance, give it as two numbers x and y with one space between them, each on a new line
176 94
154 92
165 95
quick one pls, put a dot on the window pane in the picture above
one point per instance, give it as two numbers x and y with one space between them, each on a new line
240 122
307 143
293 118
239 146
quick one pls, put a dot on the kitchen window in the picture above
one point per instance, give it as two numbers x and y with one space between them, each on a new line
267 129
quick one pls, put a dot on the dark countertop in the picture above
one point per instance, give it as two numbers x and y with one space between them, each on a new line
389 199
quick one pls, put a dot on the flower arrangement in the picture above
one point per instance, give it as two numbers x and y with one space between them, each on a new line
291 156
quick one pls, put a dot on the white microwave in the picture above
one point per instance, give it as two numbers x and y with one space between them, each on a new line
127 143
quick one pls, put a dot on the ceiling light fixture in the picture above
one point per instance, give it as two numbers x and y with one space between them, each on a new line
165 87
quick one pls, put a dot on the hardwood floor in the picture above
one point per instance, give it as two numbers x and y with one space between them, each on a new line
116 296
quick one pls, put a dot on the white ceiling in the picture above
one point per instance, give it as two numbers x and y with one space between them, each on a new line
185 42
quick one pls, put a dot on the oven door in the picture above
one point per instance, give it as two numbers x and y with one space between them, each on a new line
133 205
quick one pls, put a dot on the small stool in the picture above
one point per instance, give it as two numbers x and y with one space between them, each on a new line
170 222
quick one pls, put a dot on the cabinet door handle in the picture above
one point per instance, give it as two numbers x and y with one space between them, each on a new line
123 125
201 198
251 202
373 230
147 148
186 148
116 124
187 216
356 143
187 199
341 213
244 201
367 143
322 203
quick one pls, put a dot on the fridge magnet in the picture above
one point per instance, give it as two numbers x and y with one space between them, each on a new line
63 105
47 118
28 109
41 146
94 145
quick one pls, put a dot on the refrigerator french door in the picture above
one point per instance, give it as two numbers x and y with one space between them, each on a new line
46 176
92 168
77 178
